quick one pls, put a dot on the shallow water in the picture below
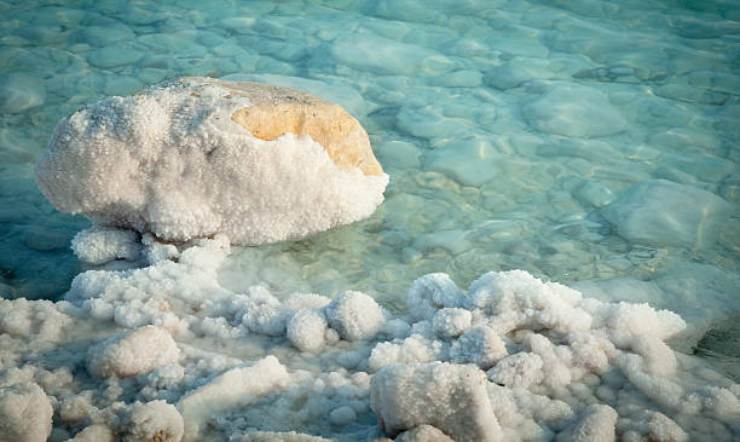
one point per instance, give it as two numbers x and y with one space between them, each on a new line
587 142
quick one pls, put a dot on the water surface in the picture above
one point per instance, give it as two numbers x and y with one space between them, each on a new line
588 142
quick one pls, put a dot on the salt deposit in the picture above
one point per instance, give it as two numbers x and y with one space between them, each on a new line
511 358
586 142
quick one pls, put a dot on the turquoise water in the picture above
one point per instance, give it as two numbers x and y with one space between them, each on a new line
592 143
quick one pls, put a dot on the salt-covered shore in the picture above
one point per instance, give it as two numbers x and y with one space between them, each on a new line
162 349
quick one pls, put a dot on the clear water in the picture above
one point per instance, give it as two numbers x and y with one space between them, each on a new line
511 130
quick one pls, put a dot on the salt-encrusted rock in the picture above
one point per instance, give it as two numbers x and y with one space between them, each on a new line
423 433
450 397
200 156
155 421
596 425
25 413
133 353
355 316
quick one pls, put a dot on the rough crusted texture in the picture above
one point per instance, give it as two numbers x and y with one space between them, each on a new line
98 245
597 425
172 161
550 355
133 353
25 413
450 397
355 315
423 433
236 387
155 421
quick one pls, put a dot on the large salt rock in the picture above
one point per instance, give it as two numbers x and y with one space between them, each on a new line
660 212
25 413
140 351
201 156
450 397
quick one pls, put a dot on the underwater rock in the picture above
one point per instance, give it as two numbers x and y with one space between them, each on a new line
19 93
574 111
660 212
200 156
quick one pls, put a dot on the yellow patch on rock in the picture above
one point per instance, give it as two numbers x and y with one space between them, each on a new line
276 110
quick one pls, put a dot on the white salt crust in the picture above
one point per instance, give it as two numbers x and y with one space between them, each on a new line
512 358
171 162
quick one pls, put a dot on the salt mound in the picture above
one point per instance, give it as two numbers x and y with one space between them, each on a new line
200 156
510 358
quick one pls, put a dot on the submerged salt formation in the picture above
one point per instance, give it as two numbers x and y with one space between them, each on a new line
511 358
200 156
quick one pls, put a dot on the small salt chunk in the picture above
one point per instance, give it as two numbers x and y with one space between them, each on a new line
432 292
447 396
663 429
597 424
25 413
355 316
155 421
306 330
98 245
133 353
518 371
451 322
235 388
94 433
423 433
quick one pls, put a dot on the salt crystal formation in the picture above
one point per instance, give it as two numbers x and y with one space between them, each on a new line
511 358
200 156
